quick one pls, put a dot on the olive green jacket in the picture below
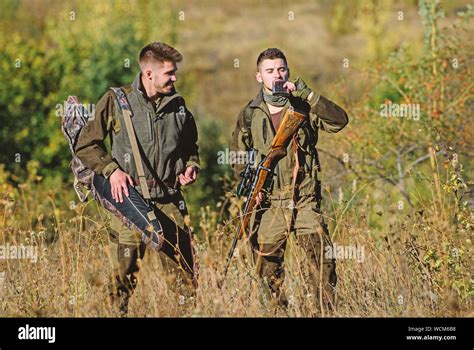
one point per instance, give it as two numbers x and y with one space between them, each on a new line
323 115
167 137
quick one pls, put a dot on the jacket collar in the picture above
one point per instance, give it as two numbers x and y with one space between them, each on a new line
258 102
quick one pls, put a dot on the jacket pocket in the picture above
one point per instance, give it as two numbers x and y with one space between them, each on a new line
150 127
264 131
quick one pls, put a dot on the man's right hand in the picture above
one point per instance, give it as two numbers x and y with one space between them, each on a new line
259 199
118 183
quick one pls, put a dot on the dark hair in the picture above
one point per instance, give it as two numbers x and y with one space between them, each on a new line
271 54
159 52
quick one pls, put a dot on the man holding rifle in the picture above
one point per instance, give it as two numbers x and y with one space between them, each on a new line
291 204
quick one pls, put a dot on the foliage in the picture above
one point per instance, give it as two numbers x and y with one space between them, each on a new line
82 50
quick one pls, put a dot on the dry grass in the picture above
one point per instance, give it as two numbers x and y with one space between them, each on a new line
409 269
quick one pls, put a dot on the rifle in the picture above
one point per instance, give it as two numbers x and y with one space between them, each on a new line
262 177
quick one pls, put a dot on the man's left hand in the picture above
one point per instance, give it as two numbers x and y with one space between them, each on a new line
188 177
302 90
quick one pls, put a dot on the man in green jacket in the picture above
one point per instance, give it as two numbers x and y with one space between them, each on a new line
167 137
293 204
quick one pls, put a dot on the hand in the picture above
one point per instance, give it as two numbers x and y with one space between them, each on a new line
118 183
302 90
259 199
290 86
188 177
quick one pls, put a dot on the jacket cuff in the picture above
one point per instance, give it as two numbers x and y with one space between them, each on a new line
109 169
193 164
313 101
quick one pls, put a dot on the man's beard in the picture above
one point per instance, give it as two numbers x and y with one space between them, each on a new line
167 88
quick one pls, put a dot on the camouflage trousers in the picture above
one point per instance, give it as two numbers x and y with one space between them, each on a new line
127 250
274 223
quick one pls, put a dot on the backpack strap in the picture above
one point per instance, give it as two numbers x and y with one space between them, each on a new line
248 113
127 116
